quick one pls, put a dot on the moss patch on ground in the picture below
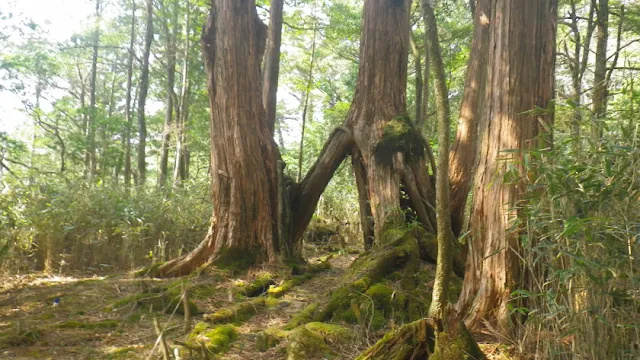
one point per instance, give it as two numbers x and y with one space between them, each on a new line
24 338
215 340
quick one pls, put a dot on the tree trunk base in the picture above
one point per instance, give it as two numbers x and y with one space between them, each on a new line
426 339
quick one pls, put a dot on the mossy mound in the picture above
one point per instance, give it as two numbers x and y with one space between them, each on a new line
381 285
399 136
103 324
214 340
258 286
313 339
269 338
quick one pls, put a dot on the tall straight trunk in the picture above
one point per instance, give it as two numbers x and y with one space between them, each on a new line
243 153
180 170
600 73
462 159
426 75
417 60
271 70
170 33
307 95
445 236
520 78
93 113
127 109
143 88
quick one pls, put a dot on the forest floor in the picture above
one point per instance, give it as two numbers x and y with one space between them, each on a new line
91 320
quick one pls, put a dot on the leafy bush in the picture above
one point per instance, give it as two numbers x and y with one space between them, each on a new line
582 222
56 225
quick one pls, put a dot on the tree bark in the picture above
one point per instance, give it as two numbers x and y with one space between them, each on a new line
93 121
271 70
170 33
127 109
445 236
600 73
244 155
305 106
142 96
462 160
180 171
520 78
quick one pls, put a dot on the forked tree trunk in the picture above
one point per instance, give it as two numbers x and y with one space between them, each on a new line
243 154
251 211
462 159
520 78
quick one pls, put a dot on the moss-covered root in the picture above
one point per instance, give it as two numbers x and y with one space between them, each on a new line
258 286
269 338
412 341
313 339
240 312
279 291
425 339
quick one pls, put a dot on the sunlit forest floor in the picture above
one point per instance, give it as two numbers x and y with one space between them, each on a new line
94 320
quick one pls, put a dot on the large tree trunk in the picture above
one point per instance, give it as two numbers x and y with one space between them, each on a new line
272 63
243 154
520 78
142 97
379 107
462 159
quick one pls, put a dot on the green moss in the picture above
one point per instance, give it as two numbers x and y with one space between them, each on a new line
103 324
235 259
305 344
331 332
236 313
269 338
258 286
279 291
216 340
399 136
303 317
380 295
457 345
